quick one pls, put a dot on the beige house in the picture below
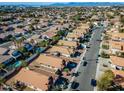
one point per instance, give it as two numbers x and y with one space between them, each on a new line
31 79
64 51
48 61
117 62
69 44
116 46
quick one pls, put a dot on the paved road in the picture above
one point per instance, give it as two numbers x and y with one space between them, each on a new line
89 71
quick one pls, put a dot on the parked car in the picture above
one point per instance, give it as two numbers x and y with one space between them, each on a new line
93 82
85 63
74 85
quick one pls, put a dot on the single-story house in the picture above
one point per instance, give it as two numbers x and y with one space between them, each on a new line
117 36
117 62
33 80
49 61
119 77
62 50
3 51
116 46
67 43
5 59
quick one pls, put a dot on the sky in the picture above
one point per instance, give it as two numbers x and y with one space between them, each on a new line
34 3
26 3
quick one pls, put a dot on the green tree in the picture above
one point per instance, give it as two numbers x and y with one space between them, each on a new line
1 66
24 63
121 30
106 80
55 38
2 81
122 19
43 43
104 55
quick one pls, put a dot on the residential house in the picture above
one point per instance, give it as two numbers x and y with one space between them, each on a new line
64 51
5 59
73 36
3 51
116 46
117 37
49 61
68 44
119 77
49 33
117 62
31 79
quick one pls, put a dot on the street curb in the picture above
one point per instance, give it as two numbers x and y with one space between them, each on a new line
98 65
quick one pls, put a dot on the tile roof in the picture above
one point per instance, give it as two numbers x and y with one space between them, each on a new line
49 60
73 35
4 58
61 49
3 50
116 45
32 78
121 74
117 35
117 60
67 43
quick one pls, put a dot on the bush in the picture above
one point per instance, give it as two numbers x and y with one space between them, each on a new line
24 63
121 31
105 47
43 43
122 54
106 37
104 55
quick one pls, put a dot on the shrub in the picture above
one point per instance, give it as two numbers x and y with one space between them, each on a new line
105 47
104 55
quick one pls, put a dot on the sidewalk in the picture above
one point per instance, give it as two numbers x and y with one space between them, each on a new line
103 64
72 79
76 70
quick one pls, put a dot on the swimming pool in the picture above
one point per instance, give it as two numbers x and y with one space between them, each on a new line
40 50
17 64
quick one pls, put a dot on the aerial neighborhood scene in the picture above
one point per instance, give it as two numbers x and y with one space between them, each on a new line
72 46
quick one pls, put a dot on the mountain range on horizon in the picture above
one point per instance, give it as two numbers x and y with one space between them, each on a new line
63 3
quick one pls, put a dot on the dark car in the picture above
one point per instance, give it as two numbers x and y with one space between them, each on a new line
99 40
84 58
93 82
74 85
85 63
87 46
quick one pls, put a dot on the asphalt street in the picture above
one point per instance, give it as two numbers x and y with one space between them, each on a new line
88 72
